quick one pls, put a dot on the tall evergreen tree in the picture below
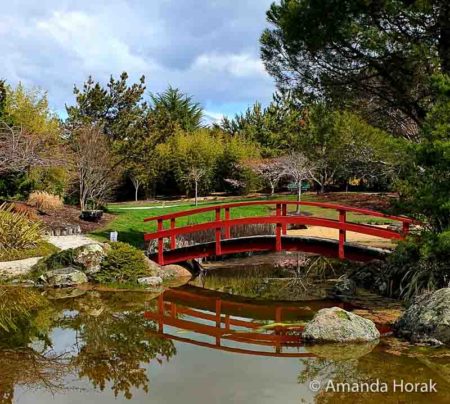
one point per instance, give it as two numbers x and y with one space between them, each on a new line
177 108
376 55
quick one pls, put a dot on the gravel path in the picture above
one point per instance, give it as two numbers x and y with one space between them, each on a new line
21 267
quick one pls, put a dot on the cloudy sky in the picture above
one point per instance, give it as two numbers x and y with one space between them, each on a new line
207 48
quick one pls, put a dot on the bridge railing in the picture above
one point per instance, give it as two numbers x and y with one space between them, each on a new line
281 219
216 322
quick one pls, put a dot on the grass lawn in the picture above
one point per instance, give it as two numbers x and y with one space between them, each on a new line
41 250
131 227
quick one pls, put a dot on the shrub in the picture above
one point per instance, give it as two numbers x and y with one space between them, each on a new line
17 231
421 264
45 201
124 264
24 209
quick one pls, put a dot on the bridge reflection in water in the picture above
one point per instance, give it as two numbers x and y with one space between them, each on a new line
232 324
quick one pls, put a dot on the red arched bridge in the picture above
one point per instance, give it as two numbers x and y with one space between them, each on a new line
224 244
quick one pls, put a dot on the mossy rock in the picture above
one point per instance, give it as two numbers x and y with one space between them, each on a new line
337 325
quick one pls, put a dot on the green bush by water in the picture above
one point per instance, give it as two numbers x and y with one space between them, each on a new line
123 264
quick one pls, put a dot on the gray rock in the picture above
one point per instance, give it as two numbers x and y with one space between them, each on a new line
150 281
427 319
337 325
64 277
174 271
89 256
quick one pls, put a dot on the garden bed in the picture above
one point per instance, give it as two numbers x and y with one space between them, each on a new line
67 216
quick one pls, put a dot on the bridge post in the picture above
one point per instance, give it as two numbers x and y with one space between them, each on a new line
161 313
278 246
405 229
160 244
173 243
227 227
218 319
218 233
284 213
342 233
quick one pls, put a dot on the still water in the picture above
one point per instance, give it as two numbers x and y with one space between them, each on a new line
198 343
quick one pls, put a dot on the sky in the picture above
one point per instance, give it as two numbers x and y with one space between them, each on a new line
207 48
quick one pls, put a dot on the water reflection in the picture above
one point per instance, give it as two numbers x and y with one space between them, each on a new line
275 326
210 345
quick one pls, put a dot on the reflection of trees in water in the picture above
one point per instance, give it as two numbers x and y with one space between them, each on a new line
111 345
377 364
29 369
27 318
286 277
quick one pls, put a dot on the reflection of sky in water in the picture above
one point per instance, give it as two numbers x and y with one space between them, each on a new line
194 374
198 374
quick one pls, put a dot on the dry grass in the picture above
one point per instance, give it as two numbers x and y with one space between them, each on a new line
25 210
17 231
45 201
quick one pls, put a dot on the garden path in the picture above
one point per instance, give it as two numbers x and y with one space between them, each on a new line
17 268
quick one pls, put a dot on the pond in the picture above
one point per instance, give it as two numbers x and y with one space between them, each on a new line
209 341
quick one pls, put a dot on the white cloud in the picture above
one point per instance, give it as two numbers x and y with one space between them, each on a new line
95 44
239 65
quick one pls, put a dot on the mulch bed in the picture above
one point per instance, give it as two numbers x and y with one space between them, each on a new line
68 215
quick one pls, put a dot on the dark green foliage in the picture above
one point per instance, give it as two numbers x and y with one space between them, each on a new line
421 264
276 128
377 55
57 260
124 264
425 185
177 108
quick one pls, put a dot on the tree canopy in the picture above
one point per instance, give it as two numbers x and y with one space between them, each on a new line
376 56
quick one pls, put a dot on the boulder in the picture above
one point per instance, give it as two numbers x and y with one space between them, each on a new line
63 277
153 267
150 281
427 319
89 256
344 287
173 271
337 325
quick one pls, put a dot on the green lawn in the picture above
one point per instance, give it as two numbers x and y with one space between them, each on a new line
131 227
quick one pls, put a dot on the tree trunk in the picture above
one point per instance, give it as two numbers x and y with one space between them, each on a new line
272 189
136 191
299 196
196 191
